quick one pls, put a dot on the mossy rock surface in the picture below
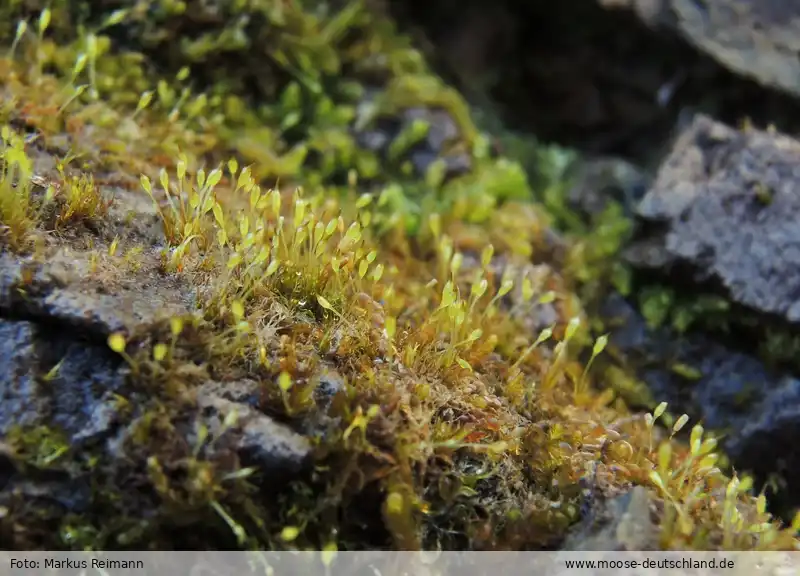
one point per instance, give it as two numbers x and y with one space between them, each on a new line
208 357
719 221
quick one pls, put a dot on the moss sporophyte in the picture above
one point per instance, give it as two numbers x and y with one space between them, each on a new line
380 321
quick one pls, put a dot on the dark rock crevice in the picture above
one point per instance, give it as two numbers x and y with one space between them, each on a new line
576 74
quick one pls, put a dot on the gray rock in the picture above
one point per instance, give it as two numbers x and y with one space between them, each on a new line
756 38
101 420
37 292
72 398
723 213
768 438
621 523
53 380
58 369
374 140
21 398
275 449
442 131
242 391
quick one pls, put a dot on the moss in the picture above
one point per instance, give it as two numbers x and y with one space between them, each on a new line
315 68
38 446
454 425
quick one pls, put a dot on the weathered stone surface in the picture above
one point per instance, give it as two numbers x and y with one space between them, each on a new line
19 390
53 382
722 218
275 449
71 396
723 213
621 523
35 291
755 38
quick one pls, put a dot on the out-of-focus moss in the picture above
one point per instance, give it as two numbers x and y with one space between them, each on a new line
279 84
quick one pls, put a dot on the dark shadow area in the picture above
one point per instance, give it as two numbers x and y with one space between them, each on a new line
575 74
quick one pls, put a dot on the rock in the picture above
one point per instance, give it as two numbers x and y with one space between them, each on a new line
755 412
58 369
52 487
57 392
756 38
442 128
70 417
20 395
72 397
40 292
77 416
621 523
101 420
722 215
242 391
275 449
768 440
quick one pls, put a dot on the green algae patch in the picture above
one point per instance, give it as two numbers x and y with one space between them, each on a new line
349 362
